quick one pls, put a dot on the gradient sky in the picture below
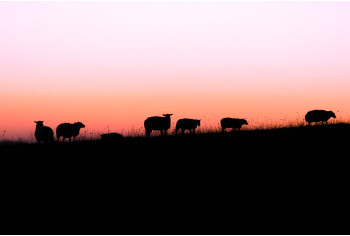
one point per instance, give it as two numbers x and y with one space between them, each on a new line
112 64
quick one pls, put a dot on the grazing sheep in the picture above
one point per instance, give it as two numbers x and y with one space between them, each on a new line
319 115
112 137
189 124
67 130
233 123
43 133
157 123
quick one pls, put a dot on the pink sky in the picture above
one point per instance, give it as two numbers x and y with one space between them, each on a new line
115 63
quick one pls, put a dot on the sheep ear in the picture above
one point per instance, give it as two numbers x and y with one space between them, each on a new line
35 122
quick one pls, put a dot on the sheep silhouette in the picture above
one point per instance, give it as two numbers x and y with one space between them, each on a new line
319 116
157 123
233 123
187 124
43 133
112 137
67 130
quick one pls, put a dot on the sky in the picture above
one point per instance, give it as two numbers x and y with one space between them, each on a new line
112 64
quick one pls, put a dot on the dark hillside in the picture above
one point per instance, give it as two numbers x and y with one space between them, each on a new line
282 181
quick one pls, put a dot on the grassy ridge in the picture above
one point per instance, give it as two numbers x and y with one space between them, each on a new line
278 181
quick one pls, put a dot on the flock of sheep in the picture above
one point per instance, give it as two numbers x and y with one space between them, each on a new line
158 123
65 130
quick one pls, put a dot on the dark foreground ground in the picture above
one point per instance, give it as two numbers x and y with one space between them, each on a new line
283 181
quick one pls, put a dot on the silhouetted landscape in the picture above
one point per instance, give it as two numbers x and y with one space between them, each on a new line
174 117
279 181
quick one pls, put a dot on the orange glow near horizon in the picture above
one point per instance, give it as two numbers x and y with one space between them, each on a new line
111 65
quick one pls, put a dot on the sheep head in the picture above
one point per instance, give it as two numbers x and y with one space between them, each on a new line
331 114
39 123
79 124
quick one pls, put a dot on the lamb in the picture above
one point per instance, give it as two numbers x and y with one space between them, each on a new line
189 124
319 115
112 137
157 123
67 130
233 123
43 133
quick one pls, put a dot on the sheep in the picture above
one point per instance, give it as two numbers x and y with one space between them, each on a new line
189 124
67 130
112 137
233 123
319 115
157 123
43 133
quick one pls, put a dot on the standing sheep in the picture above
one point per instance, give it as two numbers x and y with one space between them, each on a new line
43 133
319 116
233 123
67 130
189 124
157 123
